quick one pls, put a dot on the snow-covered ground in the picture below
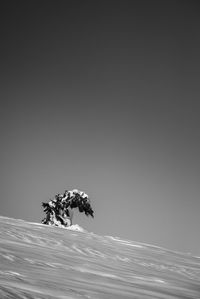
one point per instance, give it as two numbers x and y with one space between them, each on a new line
39 261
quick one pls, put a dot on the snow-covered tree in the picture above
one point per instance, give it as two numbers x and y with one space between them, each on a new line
59 210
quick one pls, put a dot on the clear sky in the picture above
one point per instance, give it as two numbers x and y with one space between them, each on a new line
103 96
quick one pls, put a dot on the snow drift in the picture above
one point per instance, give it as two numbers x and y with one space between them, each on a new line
40 261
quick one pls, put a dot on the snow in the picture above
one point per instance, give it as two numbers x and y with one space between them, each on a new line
49 262
76 227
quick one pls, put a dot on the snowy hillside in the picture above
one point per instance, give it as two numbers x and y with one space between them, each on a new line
39 261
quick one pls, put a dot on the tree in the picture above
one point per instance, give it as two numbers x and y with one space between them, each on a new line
59 210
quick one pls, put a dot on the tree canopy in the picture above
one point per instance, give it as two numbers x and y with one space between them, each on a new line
59 209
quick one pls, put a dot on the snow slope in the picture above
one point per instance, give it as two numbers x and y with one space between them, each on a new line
39 261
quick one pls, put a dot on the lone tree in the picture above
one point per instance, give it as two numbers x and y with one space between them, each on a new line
59 211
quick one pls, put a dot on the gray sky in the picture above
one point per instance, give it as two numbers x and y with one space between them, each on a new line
104 97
